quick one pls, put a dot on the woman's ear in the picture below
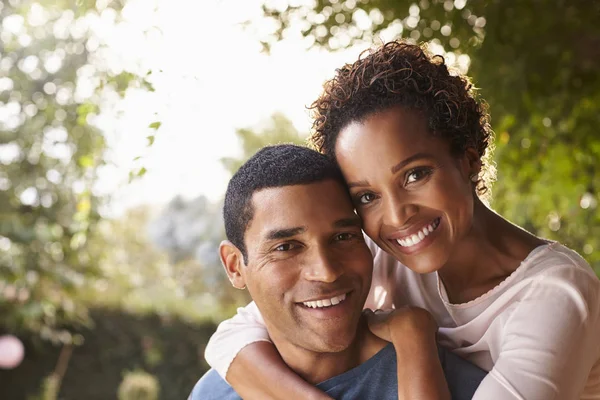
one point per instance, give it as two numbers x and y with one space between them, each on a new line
233 262
471 164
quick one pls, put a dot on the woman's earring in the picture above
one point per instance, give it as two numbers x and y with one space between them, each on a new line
239 288
474 177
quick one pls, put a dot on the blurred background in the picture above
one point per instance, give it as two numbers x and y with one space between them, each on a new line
121 122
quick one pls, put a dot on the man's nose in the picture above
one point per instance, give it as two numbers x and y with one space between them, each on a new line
323 266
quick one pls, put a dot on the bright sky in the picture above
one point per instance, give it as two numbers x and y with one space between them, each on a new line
214 79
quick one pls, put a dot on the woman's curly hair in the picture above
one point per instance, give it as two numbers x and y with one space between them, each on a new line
399 73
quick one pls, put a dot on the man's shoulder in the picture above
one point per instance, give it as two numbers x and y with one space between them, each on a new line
212 387
376 378
463 378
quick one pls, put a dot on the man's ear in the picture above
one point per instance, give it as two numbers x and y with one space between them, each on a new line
233 261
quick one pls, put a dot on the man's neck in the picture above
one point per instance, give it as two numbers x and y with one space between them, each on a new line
315 367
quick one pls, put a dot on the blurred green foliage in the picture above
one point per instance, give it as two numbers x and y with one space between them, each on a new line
538 66
139 278
278 129
54 75
50 388
138 385
188 234
118 342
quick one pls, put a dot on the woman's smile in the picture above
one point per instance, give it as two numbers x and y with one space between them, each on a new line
416 237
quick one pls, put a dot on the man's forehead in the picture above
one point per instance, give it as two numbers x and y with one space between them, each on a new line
290 195
301 206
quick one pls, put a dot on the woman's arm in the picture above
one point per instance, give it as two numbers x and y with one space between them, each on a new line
232 335
413 333
258 372
241 352
550 341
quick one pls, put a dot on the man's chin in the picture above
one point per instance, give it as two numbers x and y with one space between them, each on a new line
334 341
331 346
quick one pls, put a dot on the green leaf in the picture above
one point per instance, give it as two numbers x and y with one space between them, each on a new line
150 140
155 125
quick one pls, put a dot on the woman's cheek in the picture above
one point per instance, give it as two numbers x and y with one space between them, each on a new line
370 224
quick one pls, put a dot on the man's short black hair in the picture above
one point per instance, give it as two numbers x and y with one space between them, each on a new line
271 167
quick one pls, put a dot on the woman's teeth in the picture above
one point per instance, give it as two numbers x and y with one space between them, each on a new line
325 302
419 236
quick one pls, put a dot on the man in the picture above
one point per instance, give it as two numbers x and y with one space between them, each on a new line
295 242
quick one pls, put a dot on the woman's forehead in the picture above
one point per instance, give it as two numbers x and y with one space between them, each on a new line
388 137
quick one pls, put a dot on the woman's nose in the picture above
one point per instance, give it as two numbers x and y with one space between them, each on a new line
397 212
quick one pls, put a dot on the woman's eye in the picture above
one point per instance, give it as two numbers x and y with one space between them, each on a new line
417 174
366 198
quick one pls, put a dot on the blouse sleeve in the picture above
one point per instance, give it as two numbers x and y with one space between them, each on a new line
381 295
232 335
550 341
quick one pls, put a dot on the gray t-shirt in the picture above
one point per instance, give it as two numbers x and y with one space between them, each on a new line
374 379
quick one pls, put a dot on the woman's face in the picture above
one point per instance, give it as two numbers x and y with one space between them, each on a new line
414 196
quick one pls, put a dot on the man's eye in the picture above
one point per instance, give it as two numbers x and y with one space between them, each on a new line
417 174
284 247
366 198
344 236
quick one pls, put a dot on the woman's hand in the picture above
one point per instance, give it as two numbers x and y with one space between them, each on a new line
412 331
396 324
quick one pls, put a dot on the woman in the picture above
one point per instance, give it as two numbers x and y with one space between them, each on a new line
414 146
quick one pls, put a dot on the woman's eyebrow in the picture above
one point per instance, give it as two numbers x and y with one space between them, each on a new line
410 159
357 184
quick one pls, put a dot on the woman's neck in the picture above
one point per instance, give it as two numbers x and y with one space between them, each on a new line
491 251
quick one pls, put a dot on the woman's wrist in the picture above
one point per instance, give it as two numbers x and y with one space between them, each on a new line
417 325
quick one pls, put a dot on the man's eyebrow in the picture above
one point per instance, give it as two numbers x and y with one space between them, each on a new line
348 222
276 234
410 159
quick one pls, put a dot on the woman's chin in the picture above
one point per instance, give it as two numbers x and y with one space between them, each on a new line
425 261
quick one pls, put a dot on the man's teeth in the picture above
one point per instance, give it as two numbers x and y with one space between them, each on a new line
417 237
325 302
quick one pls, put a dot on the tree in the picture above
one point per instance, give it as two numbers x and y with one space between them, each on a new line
279 129
140 278
54 76
537 64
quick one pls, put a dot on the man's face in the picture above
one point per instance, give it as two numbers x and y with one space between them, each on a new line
309 269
